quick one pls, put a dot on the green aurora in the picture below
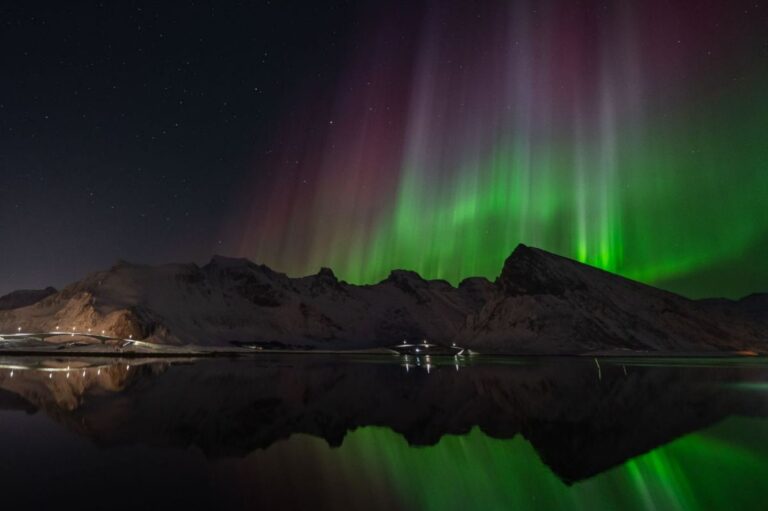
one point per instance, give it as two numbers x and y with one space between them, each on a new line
717 468
674 213
636 142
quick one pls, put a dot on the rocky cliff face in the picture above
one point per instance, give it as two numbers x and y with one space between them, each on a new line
541 303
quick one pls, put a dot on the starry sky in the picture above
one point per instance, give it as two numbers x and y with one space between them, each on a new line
364 136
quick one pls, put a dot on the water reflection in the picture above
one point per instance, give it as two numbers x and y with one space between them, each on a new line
388 433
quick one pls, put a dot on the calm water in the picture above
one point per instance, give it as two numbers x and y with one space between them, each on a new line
322 432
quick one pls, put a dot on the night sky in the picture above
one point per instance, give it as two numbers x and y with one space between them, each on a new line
365 136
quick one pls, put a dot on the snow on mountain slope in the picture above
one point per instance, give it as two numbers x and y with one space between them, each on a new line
551 304
541 303
237 300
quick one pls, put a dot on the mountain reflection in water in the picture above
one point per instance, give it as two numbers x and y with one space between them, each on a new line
349 432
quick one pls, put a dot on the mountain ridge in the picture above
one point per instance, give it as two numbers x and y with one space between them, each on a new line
540 303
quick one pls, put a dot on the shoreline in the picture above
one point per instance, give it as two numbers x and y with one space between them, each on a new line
245 353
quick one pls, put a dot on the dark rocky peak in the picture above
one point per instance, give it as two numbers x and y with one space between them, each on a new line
326 274
24 297
405 276
323 282
406 280
532 271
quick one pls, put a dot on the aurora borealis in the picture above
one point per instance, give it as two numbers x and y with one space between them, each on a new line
631 136
178 177
703 470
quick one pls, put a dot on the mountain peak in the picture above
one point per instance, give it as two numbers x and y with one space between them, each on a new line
327 273
534 271
405 277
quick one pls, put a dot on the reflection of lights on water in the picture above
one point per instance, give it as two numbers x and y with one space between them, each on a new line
49 370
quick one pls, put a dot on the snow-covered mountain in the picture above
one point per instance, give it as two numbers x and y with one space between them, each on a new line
541 303
547 303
